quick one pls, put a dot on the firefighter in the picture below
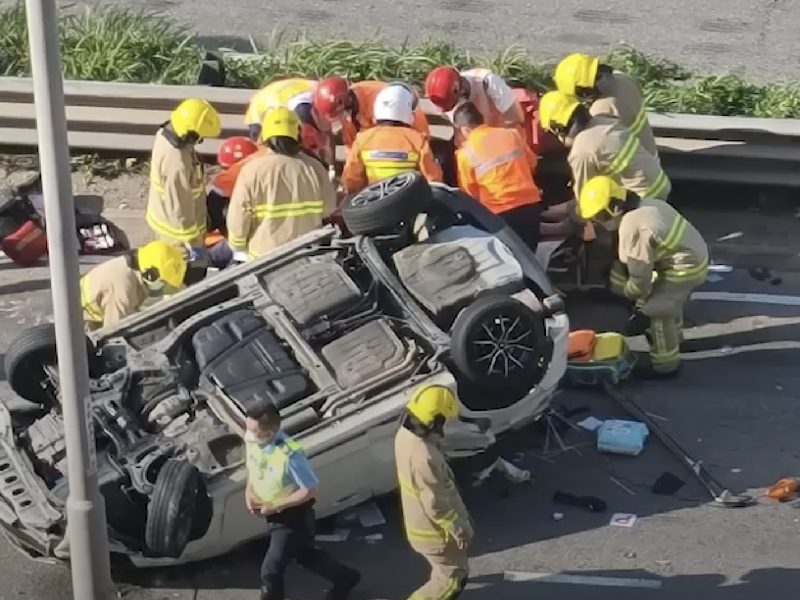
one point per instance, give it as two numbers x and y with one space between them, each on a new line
280 194
176 206
437 523
447 88
391 146
282 486
662 258
118 287
602 145
496 166
350 106
610 93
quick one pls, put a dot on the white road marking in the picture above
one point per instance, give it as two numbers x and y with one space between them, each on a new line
779 299
597 580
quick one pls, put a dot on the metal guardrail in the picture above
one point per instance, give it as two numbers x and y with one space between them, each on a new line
120 119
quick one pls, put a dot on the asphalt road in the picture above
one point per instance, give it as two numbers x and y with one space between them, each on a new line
753 37
734 406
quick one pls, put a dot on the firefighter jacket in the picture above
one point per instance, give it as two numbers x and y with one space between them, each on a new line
288 93
267 469
176 206
386 150
276 199
365 92
433 511
111 291
606 147
658 243
622 98
496 167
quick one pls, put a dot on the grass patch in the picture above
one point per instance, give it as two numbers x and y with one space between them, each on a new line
124 44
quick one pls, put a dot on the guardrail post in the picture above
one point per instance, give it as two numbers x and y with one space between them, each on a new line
87 530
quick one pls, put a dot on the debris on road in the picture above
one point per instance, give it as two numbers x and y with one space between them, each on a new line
509 470
590 503
623 520
369 515
558 516
667 484
621 485
590 424
374 537
575 579
338 535
617 436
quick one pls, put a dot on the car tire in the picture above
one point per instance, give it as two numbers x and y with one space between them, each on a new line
33 349
382 207
500 320
171 511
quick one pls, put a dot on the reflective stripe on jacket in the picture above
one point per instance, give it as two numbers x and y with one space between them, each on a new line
433 511
276 199
622 98
365 92
657 243
176 206
286 93
111 291
606 147
266 470
386 150
496 167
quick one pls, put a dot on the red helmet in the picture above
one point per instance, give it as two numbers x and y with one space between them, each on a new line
235 149
330 97
443 87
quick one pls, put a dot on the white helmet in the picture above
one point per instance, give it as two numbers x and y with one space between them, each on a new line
395 102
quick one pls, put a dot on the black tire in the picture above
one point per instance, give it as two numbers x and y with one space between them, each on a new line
171 511
518 366
25 358
384 206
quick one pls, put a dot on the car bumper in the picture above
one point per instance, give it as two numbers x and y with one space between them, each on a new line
32 522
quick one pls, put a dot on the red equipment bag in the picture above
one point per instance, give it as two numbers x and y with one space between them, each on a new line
539 140
27 244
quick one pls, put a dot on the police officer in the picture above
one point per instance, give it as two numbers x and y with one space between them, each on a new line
610 93
662 258
282 487
437 523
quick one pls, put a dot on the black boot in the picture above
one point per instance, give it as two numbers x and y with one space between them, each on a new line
272 593
345 583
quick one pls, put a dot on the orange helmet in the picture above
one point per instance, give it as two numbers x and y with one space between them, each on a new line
330 97
443 87
235 149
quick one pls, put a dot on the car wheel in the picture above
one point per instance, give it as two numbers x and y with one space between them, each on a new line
171 512
500 344
29 353
383 206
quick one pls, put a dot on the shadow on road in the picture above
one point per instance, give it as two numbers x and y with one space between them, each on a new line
21 287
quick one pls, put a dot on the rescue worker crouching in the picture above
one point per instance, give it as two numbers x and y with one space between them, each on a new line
280 194
176 206
391 146
496 166
662 258
349 107
602 145
610 92
120 286
437 523
282 486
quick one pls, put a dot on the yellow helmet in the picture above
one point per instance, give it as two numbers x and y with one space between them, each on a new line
280 122
195 115
160 261
430 401
576 71
597 195
556 108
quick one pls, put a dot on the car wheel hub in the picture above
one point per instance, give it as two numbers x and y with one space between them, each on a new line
504 345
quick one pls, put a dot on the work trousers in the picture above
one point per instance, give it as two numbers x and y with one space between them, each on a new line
449 572
526 221
664 306
290 536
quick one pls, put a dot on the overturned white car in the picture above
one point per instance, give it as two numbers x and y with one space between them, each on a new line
334 330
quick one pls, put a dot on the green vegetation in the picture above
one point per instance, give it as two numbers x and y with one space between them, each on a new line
120 44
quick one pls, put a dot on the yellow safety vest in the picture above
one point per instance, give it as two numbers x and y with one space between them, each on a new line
90 309
381 164
275 95
266 470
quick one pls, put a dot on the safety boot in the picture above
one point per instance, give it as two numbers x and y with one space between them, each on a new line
344 584
272 593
